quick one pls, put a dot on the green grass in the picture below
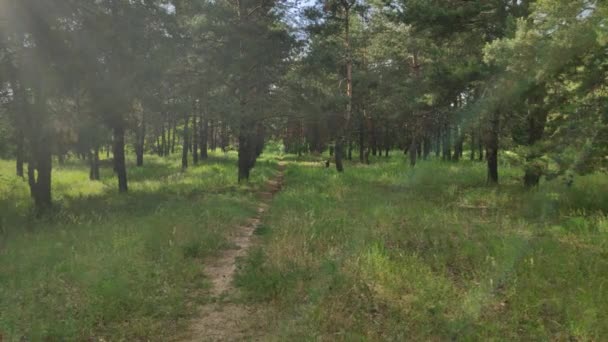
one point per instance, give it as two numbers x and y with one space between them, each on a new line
387 252
118 267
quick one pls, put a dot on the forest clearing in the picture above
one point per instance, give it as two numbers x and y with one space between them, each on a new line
303 170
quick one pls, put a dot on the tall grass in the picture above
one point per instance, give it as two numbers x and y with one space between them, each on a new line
387 252
118 267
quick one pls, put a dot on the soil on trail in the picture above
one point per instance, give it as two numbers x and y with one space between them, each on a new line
223 319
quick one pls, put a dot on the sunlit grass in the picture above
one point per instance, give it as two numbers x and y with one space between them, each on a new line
387 252
119 267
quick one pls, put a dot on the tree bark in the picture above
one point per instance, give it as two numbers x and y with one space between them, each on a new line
120 166
447 143
42 184
185 143
362 139
413 152
492 149
174 136
195 140
339 154
164 141
473 145
94 164
140 143
204 129
20 154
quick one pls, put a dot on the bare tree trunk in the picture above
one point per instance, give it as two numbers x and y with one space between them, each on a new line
174 136
492 149
447 143
195 134
203 138
473 141
164 141
362 139
94 164
120 166
185 143
224 138
39 175
413 152
141 140
339 154
341 141
20 154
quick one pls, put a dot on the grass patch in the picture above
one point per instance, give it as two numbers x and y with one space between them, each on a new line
117 267
387 252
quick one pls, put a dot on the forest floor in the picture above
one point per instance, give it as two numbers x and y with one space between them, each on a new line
380 252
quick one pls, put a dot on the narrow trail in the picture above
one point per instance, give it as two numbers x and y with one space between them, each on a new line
223 318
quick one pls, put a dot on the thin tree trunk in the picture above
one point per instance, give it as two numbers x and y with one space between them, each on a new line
349 93
185 143
40 183
195 135
120 166
212 135
427 147
492 150
438 143
174 136
413 152
203 138
20 154
362 139
141 140
339 154
473 145
447 143
480 147
94 164
164 141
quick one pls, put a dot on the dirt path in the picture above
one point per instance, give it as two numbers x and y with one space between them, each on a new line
223 319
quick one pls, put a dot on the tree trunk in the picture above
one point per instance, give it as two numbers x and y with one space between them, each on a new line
40 179
413 152
480 148
250 145
362 139
203 138
140 143
374 141
387 139
472 145
94 164
438 143
458 145
427 147
447 143
120 166
195 140
492 149
164 139
212 135
185 143
340 142
174 136
224 138
339 154
20 154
